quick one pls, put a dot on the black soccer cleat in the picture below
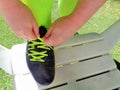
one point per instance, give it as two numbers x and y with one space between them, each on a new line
40 59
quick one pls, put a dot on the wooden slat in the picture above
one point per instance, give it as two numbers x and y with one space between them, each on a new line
71 86
80 52
83 69
113 31
107 81
81 39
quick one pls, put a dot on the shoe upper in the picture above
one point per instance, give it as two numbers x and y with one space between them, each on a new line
40 60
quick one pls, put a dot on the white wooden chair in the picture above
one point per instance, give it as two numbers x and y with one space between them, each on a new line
82 63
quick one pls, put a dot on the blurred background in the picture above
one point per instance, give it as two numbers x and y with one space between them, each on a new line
103 18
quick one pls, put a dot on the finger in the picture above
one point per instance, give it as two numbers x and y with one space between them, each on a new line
28 35
31 36
51 41
36 30
48 34
25 37
48 42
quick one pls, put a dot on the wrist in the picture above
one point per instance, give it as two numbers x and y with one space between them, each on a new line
76 21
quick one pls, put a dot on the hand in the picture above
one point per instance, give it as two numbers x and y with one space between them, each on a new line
21 20
60 31
65 27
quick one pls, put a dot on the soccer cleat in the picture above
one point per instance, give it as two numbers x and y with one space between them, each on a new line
40 59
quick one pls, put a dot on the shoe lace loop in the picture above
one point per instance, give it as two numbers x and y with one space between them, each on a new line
38 55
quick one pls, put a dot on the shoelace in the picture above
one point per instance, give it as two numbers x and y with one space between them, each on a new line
38 55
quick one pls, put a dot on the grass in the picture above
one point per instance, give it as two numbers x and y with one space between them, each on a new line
7 37
103 18
5 81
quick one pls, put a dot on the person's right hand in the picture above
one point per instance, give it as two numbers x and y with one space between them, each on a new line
21 20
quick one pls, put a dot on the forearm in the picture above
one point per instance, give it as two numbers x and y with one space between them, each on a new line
84 10
6 5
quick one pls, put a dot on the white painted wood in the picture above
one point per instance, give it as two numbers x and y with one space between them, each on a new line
68 73
18 59
106 81
25 82
5 60
80 52
81 39
112 35
72 86
83 69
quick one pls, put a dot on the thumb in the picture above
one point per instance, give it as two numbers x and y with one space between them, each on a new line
51 42
48 41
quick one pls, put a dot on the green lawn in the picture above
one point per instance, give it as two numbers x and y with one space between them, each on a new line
105 17
7 37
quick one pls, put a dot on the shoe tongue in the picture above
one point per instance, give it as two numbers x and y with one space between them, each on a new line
42 31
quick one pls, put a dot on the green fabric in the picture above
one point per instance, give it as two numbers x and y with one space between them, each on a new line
66 7
41 9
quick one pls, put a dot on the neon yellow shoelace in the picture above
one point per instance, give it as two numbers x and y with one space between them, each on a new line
38 55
